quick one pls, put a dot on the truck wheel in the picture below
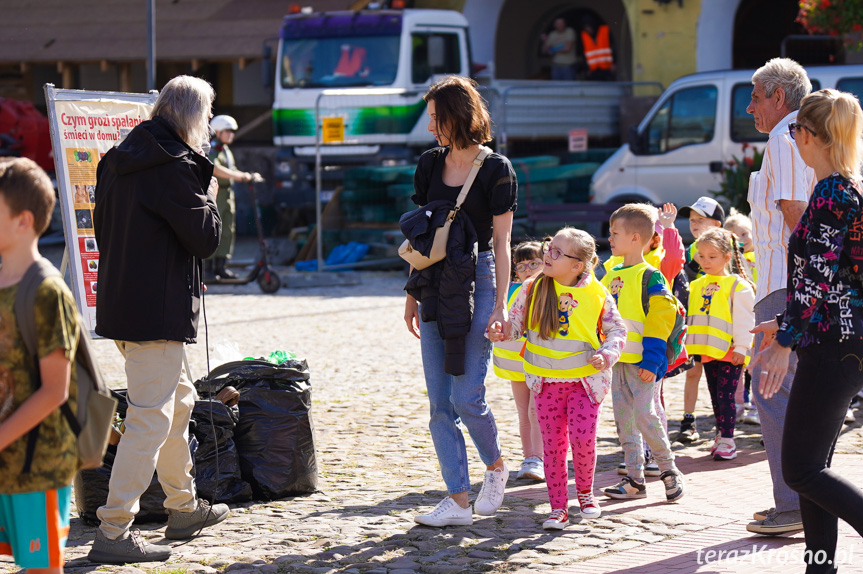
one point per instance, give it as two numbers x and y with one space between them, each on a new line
269 281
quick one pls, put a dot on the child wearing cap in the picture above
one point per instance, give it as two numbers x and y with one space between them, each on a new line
704 214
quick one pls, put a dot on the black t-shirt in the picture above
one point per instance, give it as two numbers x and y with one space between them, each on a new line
494 191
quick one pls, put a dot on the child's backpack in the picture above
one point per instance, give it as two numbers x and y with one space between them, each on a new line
96 407
675 350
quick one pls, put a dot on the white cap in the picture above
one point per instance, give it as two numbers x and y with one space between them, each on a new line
220 123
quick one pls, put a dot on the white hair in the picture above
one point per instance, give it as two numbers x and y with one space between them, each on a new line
787 74
185 103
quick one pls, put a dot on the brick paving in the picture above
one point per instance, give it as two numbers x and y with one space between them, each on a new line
378 468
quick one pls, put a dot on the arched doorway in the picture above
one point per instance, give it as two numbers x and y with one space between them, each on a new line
521 24
759 28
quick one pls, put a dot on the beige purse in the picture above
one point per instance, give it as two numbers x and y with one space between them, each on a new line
441 236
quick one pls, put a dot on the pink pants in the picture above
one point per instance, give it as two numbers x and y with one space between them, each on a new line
566 416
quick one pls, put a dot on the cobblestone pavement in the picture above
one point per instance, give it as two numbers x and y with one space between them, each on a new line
378 467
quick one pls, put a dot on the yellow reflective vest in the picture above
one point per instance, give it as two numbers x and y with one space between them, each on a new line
752 270
711 300
567 354
653 258
506 356
625 286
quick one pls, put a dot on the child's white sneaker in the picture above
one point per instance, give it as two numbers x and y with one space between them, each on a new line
532 469
446 513
491 494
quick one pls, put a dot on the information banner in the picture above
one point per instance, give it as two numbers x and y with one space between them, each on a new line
84 126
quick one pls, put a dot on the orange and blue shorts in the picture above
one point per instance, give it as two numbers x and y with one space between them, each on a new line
34 527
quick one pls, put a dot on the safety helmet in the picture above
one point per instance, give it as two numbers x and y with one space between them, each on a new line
220 123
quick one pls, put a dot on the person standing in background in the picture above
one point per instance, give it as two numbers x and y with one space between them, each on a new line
598 56
225 171
560 44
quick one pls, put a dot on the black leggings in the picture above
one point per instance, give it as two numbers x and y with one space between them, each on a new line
828 376
722 379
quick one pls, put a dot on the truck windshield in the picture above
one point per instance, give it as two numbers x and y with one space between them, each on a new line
339 62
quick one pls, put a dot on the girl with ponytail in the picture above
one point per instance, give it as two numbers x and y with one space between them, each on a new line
720 317
823 321
574 336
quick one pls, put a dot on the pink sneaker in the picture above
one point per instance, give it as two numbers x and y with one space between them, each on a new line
725 449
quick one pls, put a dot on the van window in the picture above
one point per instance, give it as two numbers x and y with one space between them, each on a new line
742 124
434 53
686 118
853 85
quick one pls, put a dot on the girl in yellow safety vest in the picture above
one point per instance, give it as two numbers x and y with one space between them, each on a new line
574 336
719 321
740 225
508 364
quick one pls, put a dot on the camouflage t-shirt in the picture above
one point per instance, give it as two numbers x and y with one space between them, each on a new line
57 327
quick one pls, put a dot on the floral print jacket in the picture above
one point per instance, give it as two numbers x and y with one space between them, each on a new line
613 329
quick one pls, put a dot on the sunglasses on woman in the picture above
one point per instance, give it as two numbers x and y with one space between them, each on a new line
531 265
797 126
555 253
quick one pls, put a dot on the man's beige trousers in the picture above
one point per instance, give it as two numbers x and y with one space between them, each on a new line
161 400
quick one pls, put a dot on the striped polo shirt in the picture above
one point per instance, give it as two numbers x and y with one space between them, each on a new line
783 175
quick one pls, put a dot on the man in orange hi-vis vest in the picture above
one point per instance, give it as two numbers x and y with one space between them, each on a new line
597 52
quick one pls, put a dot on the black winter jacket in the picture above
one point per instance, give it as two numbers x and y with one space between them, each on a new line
446 288
154 221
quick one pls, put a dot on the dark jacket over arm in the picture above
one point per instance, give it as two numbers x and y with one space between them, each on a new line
154 220
446 288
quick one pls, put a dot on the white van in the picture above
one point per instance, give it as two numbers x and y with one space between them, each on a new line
696 126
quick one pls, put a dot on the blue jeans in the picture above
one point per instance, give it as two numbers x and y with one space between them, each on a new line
456 400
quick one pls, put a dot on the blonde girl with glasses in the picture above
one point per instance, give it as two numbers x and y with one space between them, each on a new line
508 364
574 335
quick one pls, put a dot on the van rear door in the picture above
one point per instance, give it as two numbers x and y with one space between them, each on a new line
679 155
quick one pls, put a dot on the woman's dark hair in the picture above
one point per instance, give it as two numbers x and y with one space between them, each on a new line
460 112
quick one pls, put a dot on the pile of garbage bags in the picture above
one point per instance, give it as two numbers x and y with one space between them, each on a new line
251 437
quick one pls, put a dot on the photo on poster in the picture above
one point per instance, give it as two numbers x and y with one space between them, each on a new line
91 192
81 194
93 287
90 245
84 219
92 266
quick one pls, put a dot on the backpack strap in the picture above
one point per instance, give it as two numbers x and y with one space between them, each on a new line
25 317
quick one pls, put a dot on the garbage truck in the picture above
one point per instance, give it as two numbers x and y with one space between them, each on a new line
361 75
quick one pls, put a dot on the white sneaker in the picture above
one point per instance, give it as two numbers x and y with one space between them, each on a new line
532 469
491 494
849 416
752 417
446 513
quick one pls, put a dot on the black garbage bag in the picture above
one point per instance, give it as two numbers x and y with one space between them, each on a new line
91 485
275 432
224 484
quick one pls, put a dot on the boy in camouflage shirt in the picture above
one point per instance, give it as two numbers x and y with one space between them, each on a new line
34 506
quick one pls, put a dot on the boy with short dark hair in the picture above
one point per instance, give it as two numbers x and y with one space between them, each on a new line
34 506
643 361
704 214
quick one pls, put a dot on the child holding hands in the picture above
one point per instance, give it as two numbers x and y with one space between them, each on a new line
565 363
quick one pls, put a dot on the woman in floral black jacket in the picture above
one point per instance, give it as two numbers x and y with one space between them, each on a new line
823 320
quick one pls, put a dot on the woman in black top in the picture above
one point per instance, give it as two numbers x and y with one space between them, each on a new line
823 320
460 123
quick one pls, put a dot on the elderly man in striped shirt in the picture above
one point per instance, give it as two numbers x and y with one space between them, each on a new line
778 195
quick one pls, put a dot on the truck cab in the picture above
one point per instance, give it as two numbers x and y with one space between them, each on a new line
370 68
679 149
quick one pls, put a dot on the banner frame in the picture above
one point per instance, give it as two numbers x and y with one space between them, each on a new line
52 95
